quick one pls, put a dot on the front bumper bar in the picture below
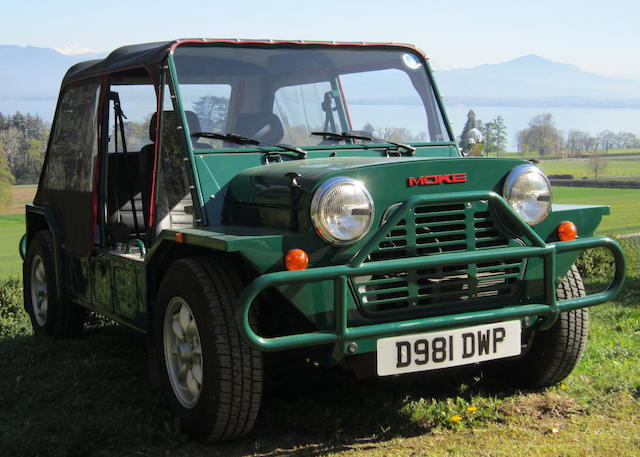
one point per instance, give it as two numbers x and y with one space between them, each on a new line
342 334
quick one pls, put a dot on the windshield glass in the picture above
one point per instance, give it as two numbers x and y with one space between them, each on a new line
283 94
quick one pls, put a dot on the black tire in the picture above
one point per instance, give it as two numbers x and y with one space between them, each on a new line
229 395
552 354
57 318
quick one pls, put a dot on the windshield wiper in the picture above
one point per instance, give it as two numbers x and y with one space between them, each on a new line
239 139
410 150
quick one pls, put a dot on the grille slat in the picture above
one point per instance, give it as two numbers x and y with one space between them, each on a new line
389 290
441 234
430 230
434 224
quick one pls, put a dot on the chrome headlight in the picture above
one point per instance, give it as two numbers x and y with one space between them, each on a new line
342 210
528 191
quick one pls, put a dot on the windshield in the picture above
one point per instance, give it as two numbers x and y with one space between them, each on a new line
284 94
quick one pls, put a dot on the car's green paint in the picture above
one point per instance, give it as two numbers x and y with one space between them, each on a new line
341 333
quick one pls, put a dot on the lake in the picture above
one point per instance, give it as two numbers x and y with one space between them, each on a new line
592 120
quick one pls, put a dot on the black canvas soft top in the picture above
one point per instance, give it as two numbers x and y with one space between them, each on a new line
150 55
138 55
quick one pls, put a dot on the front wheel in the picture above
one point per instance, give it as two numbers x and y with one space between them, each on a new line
211 378
554 353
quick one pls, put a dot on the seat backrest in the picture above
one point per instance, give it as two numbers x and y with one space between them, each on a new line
265 127
124 183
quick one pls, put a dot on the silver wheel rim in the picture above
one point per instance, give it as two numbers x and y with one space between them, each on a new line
39 293
183 352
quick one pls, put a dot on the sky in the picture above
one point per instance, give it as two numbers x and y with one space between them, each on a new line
599 37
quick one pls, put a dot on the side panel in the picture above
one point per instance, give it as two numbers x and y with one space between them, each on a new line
119 288
102 285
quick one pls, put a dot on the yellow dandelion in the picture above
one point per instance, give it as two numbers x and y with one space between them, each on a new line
455 418
472 409
563 387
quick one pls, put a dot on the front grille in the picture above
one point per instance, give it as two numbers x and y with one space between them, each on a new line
429 230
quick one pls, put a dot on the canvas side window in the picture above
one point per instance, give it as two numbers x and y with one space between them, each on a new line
138 104
74 142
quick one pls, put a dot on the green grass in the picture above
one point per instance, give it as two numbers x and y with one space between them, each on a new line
617 167
610 152
92 397
11 230
625 206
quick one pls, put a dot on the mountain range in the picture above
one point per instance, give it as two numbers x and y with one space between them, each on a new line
31 76
534 79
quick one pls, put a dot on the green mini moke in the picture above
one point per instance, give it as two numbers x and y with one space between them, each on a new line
234 197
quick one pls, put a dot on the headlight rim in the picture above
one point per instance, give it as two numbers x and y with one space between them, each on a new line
512 178
321 192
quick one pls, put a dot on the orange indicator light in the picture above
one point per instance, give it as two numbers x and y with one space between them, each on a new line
296 259
179 237
567 231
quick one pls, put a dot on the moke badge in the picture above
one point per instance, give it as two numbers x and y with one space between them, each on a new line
454 178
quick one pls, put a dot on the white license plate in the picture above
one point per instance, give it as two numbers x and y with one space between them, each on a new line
450 348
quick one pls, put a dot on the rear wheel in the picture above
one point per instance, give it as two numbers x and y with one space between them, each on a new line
555 352
211 378
49 315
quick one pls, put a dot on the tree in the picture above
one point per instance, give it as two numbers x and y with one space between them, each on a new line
500 135
597 163
542 136
488 134
368 127
577 142
626 140
495 136
14 145
606 140
212 112
23 138
471 123
6 181
397 134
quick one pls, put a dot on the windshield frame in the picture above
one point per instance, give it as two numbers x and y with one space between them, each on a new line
438 109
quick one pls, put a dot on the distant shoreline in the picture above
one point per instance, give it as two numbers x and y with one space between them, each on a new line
550 102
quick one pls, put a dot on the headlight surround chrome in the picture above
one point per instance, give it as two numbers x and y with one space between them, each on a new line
528 191
333 206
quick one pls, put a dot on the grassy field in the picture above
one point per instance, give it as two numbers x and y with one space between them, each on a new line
21 195
617 167
92 396
610 152
11 230
625 206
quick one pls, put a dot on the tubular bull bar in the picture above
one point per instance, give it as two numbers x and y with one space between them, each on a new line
342 334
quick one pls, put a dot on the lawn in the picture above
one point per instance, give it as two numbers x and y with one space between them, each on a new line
11 230
21 195
92 396
617 167
625 206
610 152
